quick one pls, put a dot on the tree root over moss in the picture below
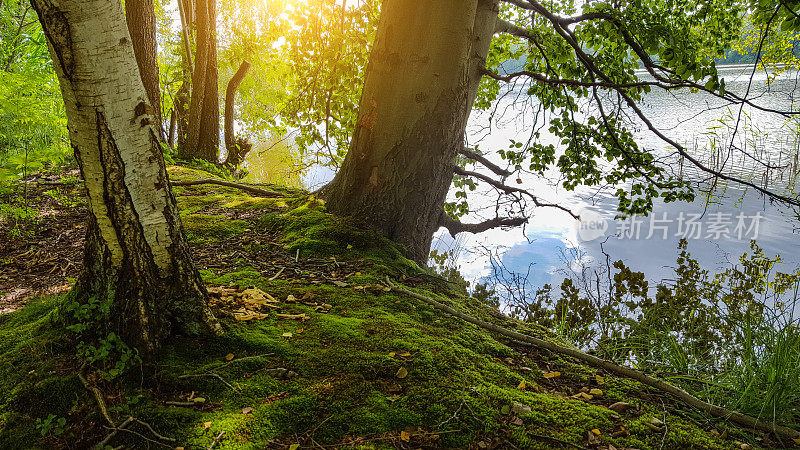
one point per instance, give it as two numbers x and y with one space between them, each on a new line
244 187
622 371
101 404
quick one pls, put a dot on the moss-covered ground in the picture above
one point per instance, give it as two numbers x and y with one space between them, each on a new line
368 368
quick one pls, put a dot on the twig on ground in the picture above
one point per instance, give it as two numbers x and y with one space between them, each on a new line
216 439
181 403
113 433
147 425
212 375
272 278
622 371
141 436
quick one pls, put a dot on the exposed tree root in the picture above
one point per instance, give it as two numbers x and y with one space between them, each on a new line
622 371
98 396
247 188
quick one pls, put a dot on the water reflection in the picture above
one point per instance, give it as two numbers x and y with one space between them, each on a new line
687 118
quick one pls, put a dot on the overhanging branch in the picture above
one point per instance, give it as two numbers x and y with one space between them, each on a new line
455 227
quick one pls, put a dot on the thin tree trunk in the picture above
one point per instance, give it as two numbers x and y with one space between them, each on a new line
235 152
420 84
141 19
136 256
173 124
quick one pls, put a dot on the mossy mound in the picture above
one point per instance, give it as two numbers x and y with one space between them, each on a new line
338 361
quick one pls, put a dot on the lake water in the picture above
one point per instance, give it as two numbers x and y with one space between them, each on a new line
718 229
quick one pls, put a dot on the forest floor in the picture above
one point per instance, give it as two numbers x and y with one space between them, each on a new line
317 352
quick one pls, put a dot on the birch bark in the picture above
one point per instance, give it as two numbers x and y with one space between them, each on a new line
136 256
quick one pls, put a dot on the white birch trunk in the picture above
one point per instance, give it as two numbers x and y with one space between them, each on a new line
136 255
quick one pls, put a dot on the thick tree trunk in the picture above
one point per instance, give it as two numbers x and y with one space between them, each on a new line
420 84
141 19
136 257
202 135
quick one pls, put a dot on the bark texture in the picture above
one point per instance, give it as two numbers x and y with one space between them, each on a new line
136 257
419 88
202 134
141 19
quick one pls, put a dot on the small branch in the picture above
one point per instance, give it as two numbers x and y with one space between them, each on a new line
486 163
622 371
250 189
113 433
510 190
147 425
455 227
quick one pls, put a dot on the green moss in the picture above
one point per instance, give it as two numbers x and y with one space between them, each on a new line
346 361
206 227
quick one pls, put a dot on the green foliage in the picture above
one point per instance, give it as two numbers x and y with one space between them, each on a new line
327 49
20 219
115 356
51 424
33 133
732 337
80 317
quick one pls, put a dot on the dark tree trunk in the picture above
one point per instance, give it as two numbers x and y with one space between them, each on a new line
141 19
202 135
236 150
420 84
136 256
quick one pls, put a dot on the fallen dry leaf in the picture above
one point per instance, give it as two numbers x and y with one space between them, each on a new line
229 357
401 372
620 407
405 436
521 385
206 425
247 410
552 374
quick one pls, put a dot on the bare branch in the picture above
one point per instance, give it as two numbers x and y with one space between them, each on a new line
455 227
485 162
